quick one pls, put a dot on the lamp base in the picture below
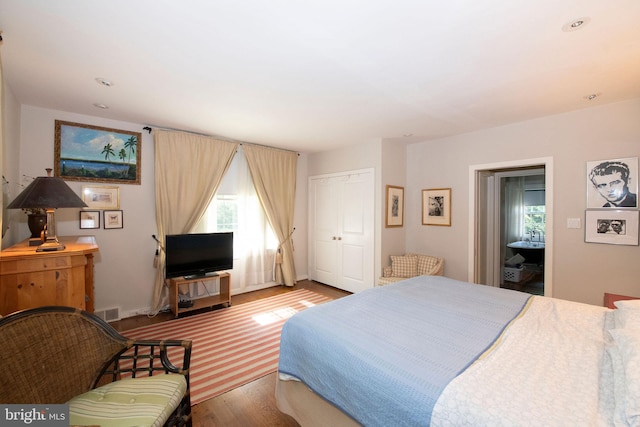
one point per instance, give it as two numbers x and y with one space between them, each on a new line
50 245
35 241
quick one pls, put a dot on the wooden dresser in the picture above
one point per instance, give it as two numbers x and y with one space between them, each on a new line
33 279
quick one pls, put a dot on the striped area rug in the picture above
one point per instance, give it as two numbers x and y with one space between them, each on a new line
232 346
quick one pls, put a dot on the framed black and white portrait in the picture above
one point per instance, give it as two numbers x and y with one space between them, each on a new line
395 206
612 183
436 206
611 226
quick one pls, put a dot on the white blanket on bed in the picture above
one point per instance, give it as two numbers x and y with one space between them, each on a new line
549 369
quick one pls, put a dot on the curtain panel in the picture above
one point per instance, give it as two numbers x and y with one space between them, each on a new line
512 211
188 171
273 173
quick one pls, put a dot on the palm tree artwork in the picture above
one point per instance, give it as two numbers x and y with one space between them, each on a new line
94 153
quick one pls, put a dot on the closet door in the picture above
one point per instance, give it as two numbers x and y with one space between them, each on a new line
341 213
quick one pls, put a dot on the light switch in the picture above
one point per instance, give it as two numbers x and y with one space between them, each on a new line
573 222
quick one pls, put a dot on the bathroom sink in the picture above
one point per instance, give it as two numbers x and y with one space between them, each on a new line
526 245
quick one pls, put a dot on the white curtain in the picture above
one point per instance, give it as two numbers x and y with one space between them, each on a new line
512 211
273 173
254 242
188 171
253 236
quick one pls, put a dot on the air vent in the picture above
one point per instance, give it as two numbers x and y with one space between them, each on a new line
109 314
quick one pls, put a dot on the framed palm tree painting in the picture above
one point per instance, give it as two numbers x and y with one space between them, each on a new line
96 154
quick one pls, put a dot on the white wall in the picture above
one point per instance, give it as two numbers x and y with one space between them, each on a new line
582 271
124 272
393 172
10 159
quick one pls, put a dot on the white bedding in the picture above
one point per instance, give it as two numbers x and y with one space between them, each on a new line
550 368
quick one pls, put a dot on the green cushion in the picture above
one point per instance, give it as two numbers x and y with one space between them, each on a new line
145 401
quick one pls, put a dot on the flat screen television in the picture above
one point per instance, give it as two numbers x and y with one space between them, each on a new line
198 255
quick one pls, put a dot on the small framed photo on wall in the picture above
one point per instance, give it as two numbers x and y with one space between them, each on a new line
89 219
101 197
113 219
612 183
395 206
613 227
436 206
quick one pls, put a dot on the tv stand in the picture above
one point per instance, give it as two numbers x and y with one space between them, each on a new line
200 276
223 297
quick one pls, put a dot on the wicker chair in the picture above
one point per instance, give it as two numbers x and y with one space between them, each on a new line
55 355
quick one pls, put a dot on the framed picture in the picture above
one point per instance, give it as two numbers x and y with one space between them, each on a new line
113 219
89 219
436 206
96 154
612 183
101 197
614 227
395 206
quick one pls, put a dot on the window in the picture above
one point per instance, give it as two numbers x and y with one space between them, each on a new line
222 214
534 213
236 207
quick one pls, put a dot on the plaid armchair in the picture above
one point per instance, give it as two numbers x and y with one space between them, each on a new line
57 355
411 265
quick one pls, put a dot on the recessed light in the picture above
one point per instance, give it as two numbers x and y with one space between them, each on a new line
104 82
576 24
99 105
591 96
407 135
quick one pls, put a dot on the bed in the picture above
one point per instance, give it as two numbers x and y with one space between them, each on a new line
432 351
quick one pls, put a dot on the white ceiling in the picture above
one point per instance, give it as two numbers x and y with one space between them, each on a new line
317 75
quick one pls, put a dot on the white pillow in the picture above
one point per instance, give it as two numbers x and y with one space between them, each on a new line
627 314
627 342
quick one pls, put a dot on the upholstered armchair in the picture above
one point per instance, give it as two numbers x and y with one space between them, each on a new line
58 355
410 265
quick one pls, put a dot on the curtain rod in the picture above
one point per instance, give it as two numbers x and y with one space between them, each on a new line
149 129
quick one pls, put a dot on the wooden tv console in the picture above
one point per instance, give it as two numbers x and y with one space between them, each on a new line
223 297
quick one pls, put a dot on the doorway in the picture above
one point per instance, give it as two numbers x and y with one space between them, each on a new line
521 217
490 232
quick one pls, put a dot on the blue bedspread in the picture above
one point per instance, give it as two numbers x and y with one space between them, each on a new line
384 355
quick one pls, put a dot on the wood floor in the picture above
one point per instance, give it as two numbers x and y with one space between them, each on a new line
254 404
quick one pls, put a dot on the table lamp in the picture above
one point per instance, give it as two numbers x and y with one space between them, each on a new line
48 193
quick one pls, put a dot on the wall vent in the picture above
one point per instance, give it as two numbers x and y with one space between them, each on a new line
109 314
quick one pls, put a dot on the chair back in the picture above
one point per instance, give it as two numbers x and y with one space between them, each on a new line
51 354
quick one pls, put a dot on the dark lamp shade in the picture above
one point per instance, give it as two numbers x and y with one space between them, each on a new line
47 192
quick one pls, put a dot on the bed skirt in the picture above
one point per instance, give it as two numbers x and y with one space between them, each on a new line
307 408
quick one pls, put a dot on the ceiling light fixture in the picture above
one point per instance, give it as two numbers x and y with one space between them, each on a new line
591 97
576 24
104 82
102 106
